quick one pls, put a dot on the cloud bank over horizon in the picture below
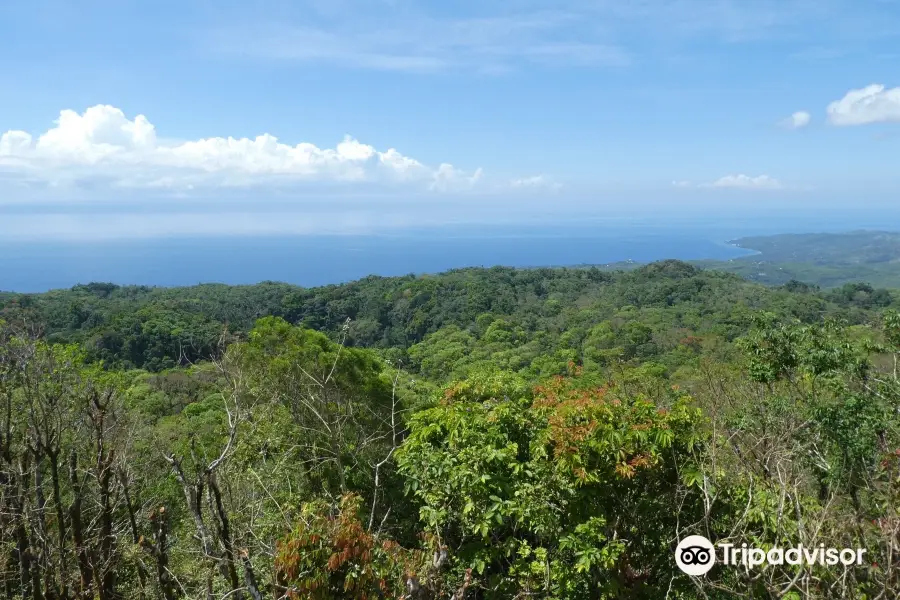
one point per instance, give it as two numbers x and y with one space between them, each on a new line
739 181
760 182
102 145
102 150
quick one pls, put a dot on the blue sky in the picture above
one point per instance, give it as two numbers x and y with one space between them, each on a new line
515 103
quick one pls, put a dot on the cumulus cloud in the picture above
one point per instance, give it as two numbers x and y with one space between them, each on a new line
103 144
797 120
448 178
762 182
871 104
535 182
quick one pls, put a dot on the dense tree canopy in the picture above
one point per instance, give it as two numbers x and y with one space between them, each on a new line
481 434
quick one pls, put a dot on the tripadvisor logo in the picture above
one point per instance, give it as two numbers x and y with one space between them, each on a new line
696 555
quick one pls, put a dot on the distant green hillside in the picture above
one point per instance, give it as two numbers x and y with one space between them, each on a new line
857 247
824 259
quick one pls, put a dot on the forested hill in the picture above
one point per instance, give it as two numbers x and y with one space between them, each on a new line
157 328
824 259
852 248
488 434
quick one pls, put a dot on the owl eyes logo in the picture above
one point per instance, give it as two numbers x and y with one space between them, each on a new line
695 555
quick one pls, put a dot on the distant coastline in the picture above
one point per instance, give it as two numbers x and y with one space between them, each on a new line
826 260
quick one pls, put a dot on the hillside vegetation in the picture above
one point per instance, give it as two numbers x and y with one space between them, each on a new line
823 259
478 434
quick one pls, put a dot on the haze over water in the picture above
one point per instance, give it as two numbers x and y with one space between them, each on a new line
34 265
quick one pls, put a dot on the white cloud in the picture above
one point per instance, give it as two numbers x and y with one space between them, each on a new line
797 120
102 144
761 182
871 104
681 183
448 178
14 143
535 182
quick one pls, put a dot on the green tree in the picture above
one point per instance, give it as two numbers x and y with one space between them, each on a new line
561 491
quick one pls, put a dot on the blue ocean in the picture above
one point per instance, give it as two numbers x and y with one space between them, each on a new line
314 260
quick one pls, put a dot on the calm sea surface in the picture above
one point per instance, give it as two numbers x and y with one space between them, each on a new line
313 260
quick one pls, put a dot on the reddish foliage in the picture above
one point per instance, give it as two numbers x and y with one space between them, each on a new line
578 420
573 412
692 342
328 555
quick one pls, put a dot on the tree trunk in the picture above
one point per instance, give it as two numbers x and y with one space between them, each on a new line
132 522
30 544
107 587
159 550
224 532
84 564
53 459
